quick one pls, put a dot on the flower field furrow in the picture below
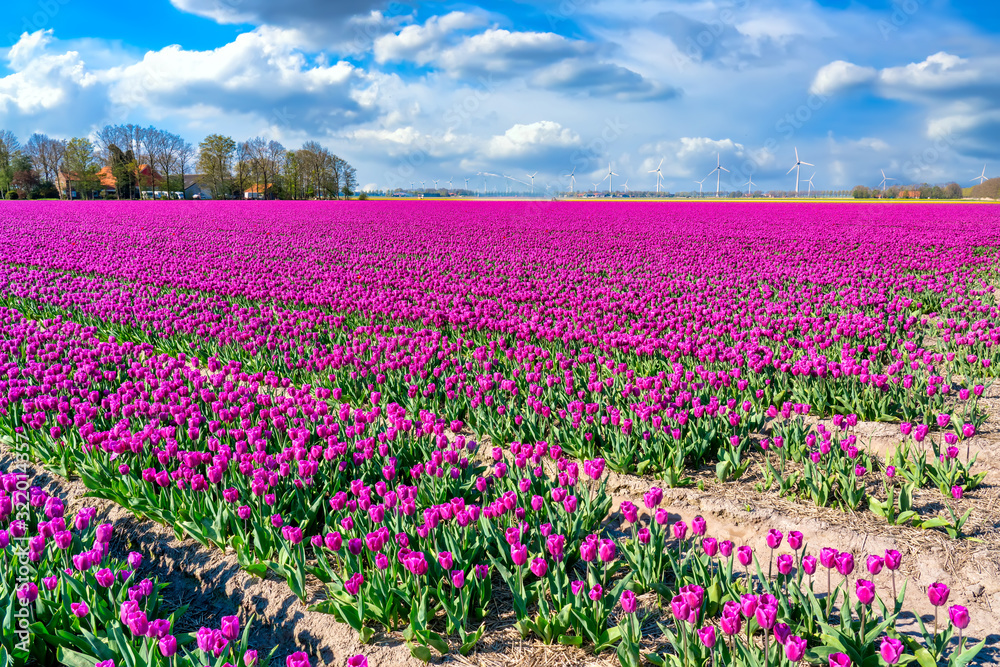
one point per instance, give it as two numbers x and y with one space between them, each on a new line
415 406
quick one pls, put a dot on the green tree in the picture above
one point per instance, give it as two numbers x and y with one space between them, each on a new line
989 189
81 166
122 168
25 179
215 161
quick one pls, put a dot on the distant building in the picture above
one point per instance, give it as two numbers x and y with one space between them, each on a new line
258 191
196 187
146 178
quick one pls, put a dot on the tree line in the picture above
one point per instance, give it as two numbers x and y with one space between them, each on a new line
989 189
152 161
922 191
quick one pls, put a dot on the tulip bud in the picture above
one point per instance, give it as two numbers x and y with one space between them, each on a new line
938 594
710 546
628 601
230 627
839 660
890 649
168 646
845 563
745 555
774 538
959 616
795 539
865 591
795 648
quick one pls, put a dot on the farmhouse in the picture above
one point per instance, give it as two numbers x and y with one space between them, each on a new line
146 178
258 191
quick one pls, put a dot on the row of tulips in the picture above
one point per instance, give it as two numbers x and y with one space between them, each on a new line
784 616
832 467
65 600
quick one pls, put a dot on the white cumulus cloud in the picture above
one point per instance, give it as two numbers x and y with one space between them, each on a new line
523 140
423 43
841 75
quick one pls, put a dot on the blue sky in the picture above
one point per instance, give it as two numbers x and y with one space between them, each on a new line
412 92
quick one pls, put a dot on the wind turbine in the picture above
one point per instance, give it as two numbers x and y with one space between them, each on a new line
608 177
466 184
422 185
411 186
797 166
489 173
532 177
572 180
982 177
700 183
595 187
749 184
658 175
449 183
810 182
435 184
718 172
884 179
625 185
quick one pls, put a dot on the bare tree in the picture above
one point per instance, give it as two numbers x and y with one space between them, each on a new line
266 158
244 166
164 152
185 158
9 148
274 157
46 155
120 148
312 158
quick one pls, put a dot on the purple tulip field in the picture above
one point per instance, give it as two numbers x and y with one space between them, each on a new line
443 424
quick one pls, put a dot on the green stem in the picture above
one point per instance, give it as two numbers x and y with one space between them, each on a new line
684 640
935 631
